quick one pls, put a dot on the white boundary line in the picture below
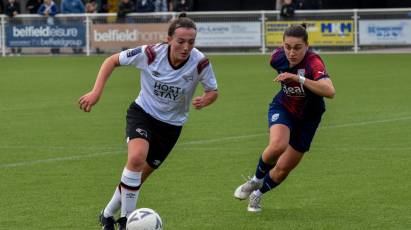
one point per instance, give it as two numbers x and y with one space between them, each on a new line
27 163
366 123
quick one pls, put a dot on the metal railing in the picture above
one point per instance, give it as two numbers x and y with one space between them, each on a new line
349 30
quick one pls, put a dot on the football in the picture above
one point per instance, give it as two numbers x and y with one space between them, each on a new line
144 219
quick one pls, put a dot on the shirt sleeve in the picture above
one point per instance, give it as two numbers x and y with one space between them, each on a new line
135 57
318 68
207 77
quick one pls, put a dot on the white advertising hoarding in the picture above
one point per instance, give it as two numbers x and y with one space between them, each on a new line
385 32
1 37
230 34
127 35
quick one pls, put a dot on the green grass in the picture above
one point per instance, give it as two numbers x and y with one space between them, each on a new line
59 166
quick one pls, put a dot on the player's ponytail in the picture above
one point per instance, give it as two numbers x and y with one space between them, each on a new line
182 21
304 25
298 31
182 15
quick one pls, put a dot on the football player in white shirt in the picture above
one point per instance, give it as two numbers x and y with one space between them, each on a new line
170 73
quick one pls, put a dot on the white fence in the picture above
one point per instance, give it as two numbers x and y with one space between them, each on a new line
230 31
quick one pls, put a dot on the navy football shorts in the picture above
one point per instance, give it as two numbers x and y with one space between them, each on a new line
161 136
301 130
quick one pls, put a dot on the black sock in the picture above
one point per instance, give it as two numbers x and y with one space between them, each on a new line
262 168
268 184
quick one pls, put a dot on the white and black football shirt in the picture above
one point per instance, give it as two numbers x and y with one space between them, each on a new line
166 91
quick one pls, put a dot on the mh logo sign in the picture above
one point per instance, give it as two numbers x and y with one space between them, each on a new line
339 28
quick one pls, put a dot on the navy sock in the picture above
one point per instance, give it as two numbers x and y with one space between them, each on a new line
262 168
268 184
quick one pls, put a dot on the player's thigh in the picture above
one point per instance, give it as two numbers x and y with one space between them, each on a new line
279 135
280 123
278 142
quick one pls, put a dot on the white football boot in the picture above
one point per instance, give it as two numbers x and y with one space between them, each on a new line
254 204
244 190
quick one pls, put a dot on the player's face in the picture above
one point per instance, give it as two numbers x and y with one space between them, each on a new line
182 42
295 49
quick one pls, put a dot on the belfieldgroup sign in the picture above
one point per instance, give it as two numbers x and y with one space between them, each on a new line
43 35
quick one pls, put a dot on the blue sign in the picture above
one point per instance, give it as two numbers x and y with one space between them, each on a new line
385 31
336 27
43 35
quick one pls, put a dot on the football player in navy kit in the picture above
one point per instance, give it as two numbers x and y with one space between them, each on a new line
170 73
293 115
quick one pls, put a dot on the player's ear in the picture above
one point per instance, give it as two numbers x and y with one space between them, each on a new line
169 38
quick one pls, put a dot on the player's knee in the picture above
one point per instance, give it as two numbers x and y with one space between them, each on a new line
276 148
136 160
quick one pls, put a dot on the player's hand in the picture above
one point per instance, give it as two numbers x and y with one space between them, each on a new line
198 102
88 100
286 77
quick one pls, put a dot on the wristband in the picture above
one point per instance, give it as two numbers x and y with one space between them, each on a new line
301 79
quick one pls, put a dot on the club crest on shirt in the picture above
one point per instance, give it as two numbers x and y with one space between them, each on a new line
188 78
301 72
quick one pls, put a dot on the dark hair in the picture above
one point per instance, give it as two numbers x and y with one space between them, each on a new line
182 21
298 31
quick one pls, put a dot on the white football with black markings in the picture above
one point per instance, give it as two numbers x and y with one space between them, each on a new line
144 219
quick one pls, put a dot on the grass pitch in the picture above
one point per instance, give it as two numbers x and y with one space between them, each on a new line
59 166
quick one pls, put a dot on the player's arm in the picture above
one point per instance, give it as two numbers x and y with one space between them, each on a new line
322 87
204 100
90 99
209 82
